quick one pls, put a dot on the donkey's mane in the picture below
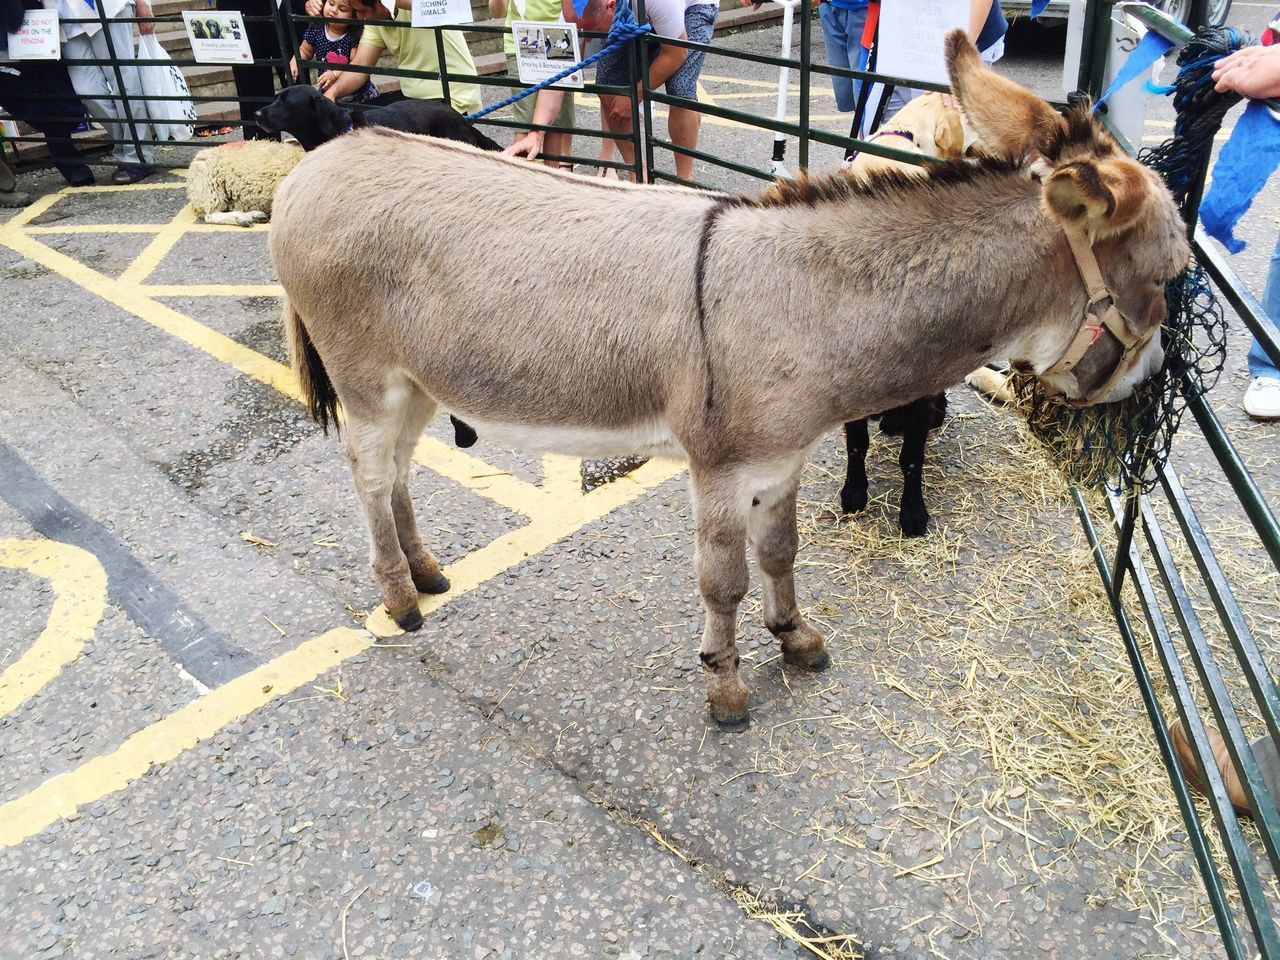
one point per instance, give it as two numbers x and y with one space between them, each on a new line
809 190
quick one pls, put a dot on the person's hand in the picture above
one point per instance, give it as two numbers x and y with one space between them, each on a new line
528 146
293 67
755 4
314 8
326 79
143 9
619 109
1253 72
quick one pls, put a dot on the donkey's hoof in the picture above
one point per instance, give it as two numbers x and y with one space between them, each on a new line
408 620
914 521
852 501
437 584
808 660
733 721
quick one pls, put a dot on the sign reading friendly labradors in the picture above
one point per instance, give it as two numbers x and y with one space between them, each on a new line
37 38
217 36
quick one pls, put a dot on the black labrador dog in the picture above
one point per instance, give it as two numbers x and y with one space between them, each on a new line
313 119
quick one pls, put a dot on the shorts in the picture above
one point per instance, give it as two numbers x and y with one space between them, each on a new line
522 110
699 27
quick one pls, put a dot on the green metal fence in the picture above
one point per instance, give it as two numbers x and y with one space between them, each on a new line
1168 589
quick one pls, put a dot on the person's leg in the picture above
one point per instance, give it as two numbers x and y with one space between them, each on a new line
62 113
1262 399
255 84
683 123
93 84
134 119
1260 364
836 41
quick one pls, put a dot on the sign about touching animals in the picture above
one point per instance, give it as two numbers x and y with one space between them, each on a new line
544 50
911 37
434 13
217 36
37 38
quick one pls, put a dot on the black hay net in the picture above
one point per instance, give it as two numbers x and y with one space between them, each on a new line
1122 445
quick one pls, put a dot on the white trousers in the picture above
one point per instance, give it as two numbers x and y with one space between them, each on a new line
96 84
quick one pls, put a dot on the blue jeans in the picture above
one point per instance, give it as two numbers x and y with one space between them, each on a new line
1261 365
842 32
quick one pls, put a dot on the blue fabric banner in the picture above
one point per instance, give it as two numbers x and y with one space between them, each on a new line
1246 162
1149 49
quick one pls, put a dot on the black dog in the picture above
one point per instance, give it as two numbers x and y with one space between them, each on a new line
313 119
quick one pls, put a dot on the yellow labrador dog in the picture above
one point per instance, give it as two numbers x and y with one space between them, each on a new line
929 125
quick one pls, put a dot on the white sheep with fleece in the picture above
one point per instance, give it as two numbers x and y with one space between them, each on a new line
236 182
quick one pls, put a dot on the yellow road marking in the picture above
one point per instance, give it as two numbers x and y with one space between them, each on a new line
79 587
166 739
555 510
145 228
212 290
567 516
145 263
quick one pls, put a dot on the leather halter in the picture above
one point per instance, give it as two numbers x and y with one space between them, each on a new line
1102 311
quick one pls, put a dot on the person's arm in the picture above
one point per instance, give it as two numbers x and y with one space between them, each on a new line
544 112
305 52
568 12
143 9
342 83
979 10
497 8
1253 72
665 64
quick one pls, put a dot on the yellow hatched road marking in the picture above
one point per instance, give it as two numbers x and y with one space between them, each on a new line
79 587
555 510
166 739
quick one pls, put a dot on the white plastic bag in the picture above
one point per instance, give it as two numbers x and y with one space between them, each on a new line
165 81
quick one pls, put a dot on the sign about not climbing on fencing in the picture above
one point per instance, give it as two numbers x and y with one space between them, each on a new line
435 13
546 49
37 38
217 36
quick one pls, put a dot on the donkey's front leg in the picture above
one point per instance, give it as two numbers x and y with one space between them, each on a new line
720 520
775 538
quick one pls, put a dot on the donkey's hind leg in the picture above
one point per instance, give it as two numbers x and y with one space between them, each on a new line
423 567
720 524
774 536
374 423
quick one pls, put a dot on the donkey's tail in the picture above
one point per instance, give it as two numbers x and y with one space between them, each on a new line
317 389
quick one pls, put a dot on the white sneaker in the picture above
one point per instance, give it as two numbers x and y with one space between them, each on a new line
1262 399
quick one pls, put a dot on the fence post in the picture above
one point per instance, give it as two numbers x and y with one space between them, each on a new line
288 39
806 37
441 68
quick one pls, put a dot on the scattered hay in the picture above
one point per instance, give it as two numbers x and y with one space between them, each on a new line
1028 671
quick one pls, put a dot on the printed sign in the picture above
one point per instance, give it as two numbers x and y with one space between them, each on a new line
544 50
217 36
37 38
911 35
433 13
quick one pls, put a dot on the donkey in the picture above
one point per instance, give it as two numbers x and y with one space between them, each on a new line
759 325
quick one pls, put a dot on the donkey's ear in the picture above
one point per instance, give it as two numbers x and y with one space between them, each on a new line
1010 121
1102 196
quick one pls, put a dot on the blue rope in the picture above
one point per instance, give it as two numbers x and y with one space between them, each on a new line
623 30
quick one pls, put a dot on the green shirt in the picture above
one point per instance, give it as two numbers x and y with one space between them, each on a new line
540 11
415 49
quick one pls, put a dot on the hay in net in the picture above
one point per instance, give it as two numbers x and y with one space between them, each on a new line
1121 445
